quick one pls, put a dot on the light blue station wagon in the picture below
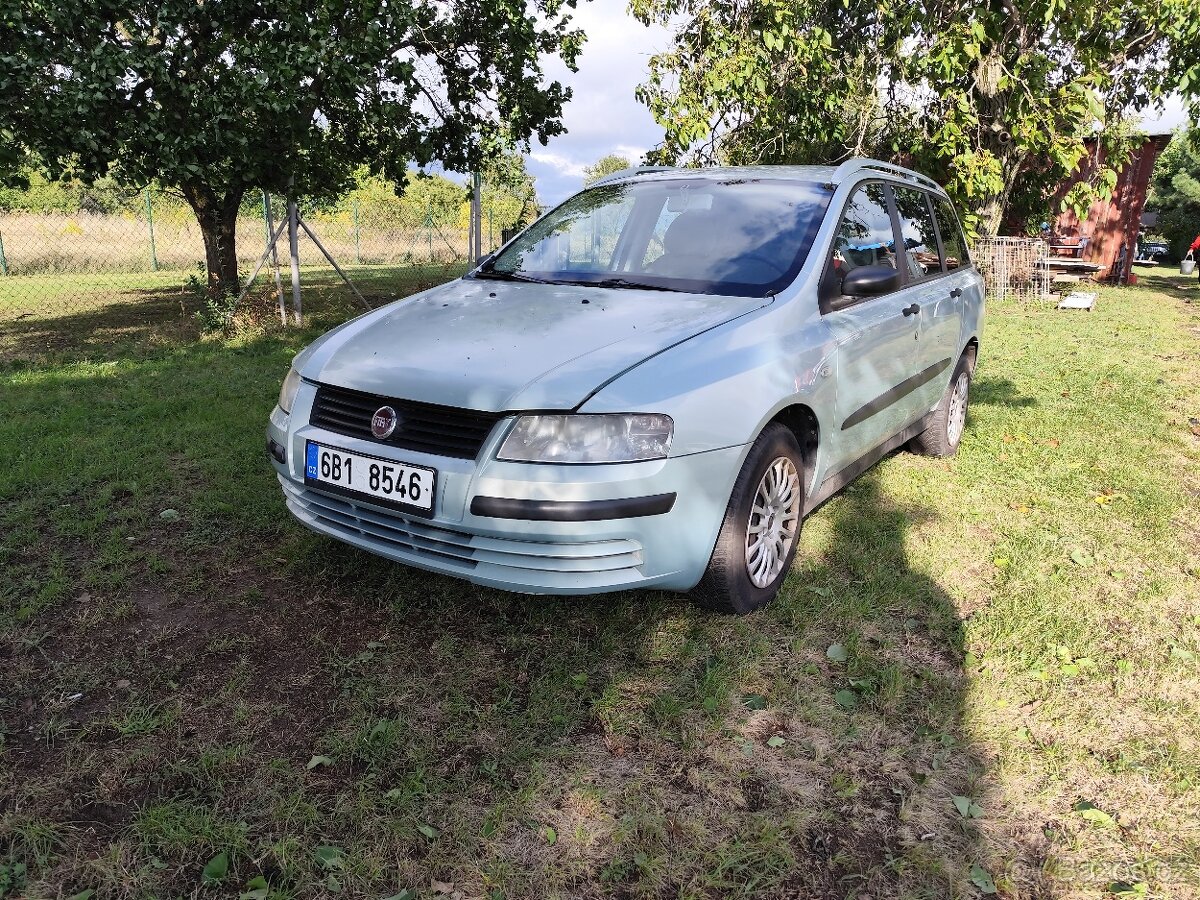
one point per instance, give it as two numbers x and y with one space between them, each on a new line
651 386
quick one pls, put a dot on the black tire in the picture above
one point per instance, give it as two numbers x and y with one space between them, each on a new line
727 586
939 438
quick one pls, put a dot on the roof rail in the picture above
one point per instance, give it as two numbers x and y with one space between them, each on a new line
857 164
630 172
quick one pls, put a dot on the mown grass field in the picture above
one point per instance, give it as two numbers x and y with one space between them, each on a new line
982 676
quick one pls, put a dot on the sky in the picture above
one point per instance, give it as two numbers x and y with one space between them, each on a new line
603 115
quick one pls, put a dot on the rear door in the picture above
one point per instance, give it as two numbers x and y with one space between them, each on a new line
876 336
936 293
964 286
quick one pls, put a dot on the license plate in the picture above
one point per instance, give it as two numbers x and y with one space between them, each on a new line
383 480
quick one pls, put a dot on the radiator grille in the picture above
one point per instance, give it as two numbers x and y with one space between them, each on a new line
425 427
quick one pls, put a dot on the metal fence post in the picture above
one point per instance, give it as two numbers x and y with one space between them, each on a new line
429 226
491 237
272 244
476 220
266 203
150 226
294 248
357 249
3 258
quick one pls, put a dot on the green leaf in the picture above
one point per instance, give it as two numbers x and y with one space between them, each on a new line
1080 558
329 857
550 835
754 701
967 808
846 699
1134 889
405 894
319 761
428 830
776 741
982 879
1094 814
85 894
256 889
837 653
216 870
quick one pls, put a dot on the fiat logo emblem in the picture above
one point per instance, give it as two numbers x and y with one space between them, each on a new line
384 422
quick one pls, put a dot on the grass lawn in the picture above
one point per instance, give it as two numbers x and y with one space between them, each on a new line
981 677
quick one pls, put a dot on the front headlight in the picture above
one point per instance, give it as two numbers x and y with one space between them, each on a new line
626 437
287 393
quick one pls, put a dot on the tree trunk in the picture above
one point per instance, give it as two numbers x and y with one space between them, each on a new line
217 217
992 208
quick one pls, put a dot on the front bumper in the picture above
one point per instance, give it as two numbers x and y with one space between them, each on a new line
523 527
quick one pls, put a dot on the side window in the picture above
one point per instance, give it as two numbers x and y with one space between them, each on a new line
916 231
953 245
865 237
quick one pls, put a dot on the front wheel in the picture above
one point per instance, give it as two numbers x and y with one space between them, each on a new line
761 528
945 429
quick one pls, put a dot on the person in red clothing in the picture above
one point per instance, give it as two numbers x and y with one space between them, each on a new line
1195 251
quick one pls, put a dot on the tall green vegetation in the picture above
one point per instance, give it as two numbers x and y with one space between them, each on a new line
217 99
1175 191
605 165
996 99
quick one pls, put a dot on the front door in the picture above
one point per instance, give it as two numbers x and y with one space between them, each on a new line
876 336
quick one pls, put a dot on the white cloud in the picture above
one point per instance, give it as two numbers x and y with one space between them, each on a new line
561 164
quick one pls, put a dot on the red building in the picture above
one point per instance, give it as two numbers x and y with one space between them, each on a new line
1111 226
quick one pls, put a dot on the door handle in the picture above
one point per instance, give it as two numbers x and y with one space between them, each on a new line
911 310
956 293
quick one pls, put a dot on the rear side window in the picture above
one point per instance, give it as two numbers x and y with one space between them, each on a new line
865 236
917 232
954 246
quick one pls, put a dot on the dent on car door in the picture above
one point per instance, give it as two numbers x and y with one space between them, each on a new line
935 293
876 336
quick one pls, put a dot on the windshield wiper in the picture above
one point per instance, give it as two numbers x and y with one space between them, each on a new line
625 283
499 275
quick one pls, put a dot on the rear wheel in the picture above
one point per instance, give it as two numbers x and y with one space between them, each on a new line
761 528
945 429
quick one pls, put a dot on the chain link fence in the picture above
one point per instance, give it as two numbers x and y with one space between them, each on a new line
113 257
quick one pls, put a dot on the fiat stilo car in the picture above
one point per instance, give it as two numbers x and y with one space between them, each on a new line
651 386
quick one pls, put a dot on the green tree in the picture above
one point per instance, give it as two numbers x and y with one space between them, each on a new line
605 165
1175 191
995 99
218 98
507 196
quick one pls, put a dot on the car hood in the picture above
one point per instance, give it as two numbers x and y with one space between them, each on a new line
496 346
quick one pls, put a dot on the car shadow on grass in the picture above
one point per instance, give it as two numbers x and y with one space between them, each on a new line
988 390
633 745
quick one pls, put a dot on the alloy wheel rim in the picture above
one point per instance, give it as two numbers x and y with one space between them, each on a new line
774 522
957 419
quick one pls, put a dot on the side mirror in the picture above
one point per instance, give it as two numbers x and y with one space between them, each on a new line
484 259
870 281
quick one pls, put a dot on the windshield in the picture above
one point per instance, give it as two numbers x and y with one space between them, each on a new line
742 238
